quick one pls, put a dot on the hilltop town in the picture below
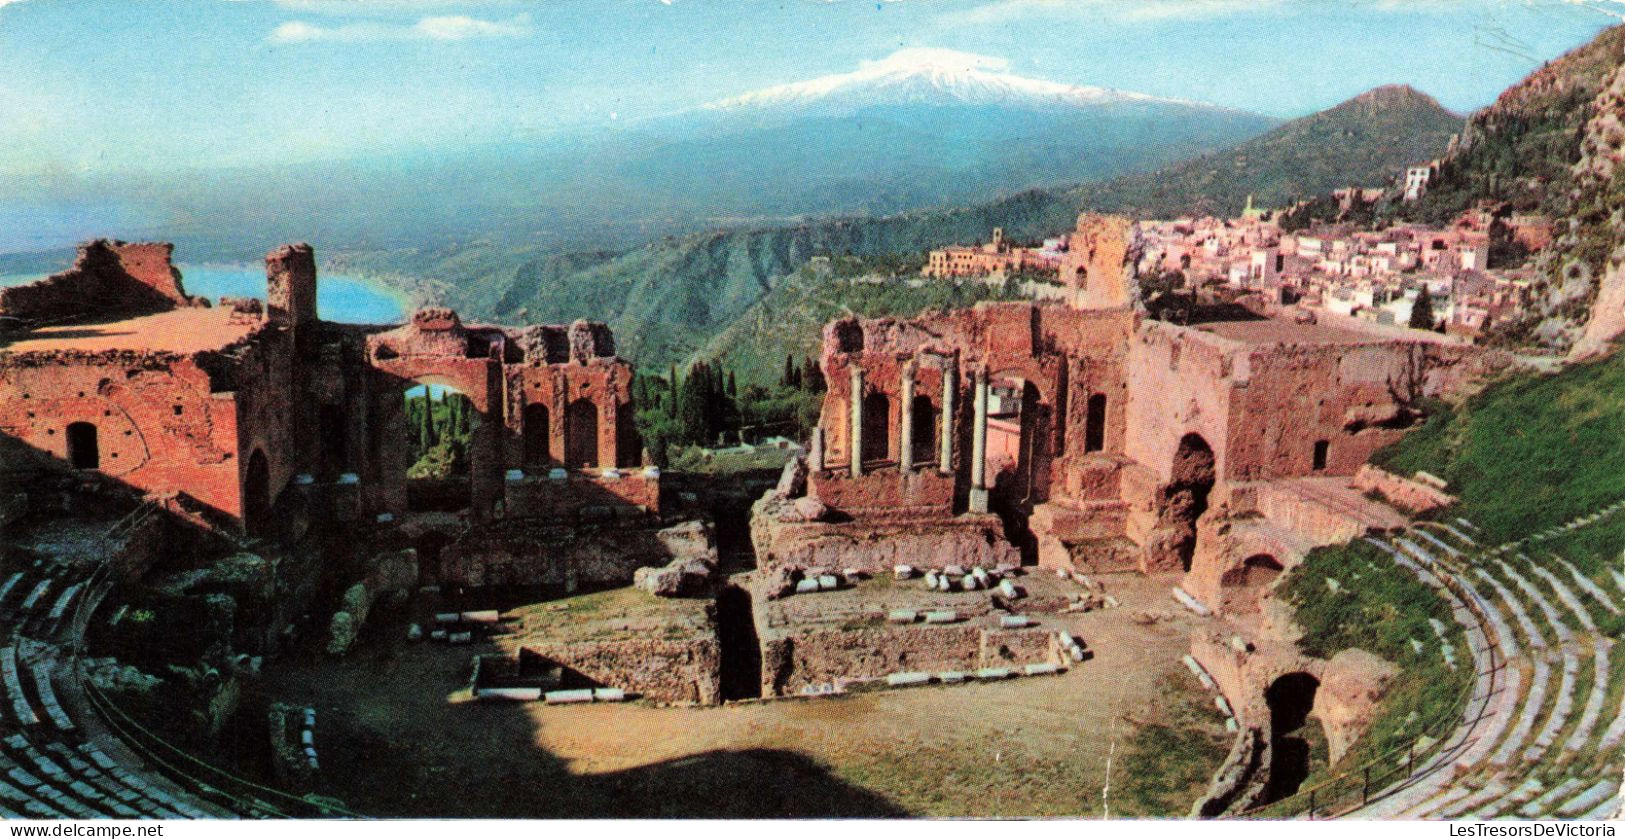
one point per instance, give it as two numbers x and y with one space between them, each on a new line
1473 274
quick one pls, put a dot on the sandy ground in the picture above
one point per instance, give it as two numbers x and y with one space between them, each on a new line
398 736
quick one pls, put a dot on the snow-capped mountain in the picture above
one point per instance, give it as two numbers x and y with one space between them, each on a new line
921 126
930 76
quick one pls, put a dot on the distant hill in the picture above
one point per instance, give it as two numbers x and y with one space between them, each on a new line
668 299
1551 144
1365 141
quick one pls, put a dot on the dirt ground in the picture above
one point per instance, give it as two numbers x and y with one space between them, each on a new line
399 736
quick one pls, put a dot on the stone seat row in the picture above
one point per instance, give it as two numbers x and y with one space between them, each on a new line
1510 783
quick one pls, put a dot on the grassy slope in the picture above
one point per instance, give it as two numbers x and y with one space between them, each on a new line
1529 452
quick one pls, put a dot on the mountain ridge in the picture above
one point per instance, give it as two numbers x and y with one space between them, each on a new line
667 299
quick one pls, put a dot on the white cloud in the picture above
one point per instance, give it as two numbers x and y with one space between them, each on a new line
1122 11
429 28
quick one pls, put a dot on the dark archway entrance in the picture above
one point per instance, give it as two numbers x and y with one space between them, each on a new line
257 494
1290 699
84 452
1185 498
581 435
538 431
876 427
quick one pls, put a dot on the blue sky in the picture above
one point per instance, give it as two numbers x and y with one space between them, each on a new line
118 85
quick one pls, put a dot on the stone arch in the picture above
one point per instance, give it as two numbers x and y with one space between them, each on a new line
876 426
1289 699
84 450
924 429
538 429
257 494
438 429
581 434
1243 587
1094 428
1185 498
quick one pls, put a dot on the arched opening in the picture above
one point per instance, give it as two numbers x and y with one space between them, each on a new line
83 450
440 425
257 494
1322 448
581 434
923 427
538 434
1185 498
1094 429
876 427
1243 587
1290 698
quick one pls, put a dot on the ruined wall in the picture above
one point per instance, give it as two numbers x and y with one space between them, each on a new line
687 670
799 658
1098 269
545 398
159 424
570 554
1052 356
264 378
1402 492
107 278
1180 383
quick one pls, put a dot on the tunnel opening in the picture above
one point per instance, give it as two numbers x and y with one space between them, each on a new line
741 650
1290 699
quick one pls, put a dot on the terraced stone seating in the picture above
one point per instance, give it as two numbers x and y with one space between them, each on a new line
1550 746
50 768
56 761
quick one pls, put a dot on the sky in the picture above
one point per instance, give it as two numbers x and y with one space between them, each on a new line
98 87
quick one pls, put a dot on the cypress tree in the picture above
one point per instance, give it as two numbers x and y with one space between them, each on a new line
426 437
1422 310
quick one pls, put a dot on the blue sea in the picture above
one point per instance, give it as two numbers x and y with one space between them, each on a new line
339 297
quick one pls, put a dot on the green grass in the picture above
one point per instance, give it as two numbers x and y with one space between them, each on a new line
1379 611
1528 452
1170 760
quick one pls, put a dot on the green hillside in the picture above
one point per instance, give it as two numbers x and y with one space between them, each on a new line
1530 452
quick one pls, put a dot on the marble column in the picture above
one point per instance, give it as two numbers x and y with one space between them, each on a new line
815 451
905 429
978 450
855 435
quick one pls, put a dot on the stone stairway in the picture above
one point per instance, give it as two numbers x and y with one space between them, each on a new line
1550 744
